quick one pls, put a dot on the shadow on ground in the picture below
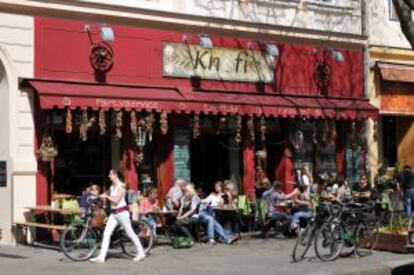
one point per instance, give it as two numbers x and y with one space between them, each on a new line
11 256
404 269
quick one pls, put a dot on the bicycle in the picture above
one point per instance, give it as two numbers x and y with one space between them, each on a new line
79 241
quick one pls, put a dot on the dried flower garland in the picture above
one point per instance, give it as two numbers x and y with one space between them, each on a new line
263 129
149 122
333 133
314 133
86 123
133 124
196 127
238 128
250 128
164 122
102 122
69 126
118 125
47 150
325 131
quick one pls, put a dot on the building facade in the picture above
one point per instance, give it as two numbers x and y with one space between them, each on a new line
390 78
205 90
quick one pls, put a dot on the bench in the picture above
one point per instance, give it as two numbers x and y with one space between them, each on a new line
29 239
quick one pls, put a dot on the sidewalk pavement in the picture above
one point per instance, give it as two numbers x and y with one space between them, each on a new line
250 256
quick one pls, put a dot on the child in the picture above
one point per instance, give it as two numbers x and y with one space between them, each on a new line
148 204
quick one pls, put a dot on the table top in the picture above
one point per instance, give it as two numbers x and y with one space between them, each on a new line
48 208
163 212
224 208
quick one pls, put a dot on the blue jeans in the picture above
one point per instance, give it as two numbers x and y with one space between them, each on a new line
281 217
408 201
151 221
213 227
301 214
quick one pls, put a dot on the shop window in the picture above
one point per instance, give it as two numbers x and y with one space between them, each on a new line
389 140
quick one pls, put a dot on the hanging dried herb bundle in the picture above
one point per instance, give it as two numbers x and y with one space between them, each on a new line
238 128
47 150
86 123
118 125
134 129
164 122
333 133
69 126
250 128
263 129
196 126
139 157
314 133
102 122
325 131
149 122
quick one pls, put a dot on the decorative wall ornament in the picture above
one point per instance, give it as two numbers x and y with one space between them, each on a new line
322 72
118 125
101 57
134 129
164 122
86 123
263 129
196 126
250 128
102 122
69 126
149 123
238 128
47 150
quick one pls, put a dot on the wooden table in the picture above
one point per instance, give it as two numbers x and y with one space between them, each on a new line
49 209
163 213
223 208
164 216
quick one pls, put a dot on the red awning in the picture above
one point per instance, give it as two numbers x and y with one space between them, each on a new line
97 96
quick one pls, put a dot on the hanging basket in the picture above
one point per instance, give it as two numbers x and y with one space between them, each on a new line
47 151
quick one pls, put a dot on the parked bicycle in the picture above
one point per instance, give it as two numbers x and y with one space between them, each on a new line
80 240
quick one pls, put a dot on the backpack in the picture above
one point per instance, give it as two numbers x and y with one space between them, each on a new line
182 242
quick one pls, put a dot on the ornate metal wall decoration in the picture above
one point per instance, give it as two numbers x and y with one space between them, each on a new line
101 57
322 72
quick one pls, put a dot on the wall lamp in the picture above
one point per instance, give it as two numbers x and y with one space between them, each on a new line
106 33
272 50
205 41
337 56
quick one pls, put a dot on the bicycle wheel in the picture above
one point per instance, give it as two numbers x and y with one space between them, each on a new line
366 238
143 230
303 243
328 243
78 242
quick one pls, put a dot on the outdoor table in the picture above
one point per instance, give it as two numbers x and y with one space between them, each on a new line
164 216
224 208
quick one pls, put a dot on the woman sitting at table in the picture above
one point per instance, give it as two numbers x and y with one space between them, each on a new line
148 204
188 214
216 197
302 203
230 200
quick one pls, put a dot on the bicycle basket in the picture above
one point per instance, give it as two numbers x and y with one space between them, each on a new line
98 219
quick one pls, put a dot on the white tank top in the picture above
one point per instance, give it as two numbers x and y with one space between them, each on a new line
114 190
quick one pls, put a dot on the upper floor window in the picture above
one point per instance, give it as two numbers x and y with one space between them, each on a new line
392 14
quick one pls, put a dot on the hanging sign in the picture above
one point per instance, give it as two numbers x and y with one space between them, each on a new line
189 61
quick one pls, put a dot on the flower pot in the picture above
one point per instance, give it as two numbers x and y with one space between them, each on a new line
392 242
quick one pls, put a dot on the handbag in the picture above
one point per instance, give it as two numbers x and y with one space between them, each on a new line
182 242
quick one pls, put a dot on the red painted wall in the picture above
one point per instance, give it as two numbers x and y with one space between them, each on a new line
62 53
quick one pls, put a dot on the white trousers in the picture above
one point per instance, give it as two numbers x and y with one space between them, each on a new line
124 220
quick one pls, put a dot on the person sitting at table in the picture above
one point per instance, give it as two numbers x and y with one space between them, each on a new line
132 197
272 197
302 203
230 200
92 191
175 194
216 197
230 194
362 191
148 204
188 214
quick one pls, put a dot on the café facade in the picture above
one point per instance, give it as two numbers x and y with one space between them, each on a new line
165 104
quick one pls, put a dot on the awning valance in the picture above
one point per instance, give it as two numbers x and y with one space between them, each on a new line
72 95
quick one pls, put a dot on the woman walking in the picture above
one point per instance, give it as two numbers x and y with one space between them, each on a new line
119 215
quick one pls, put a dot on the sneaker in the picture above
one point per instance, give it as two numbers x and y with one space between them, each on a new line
139 257
232 239
211 242
97 260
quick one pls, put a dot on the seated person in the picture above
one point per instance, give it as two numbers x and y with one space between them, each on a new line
188 214
175 194
91 192
361 191
216 197
147 204
231 199
272 197
131 198
302 202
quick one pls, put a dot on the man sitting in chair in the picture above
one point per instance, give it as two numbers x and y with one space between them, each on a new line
273 197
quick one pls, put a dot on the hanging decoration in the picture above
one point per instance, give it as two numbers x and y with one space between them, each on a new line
375 129
325 131
69 126
221 124
86 123
134 126
149 122
47 150
164 122
118 125
250 128
102 122
238 128
332 133
263 129
314 133
196 127
297 140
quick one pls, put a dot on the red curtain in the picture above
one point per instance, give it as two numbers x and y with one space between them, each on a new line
129 167
249 171
284 172
165 163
